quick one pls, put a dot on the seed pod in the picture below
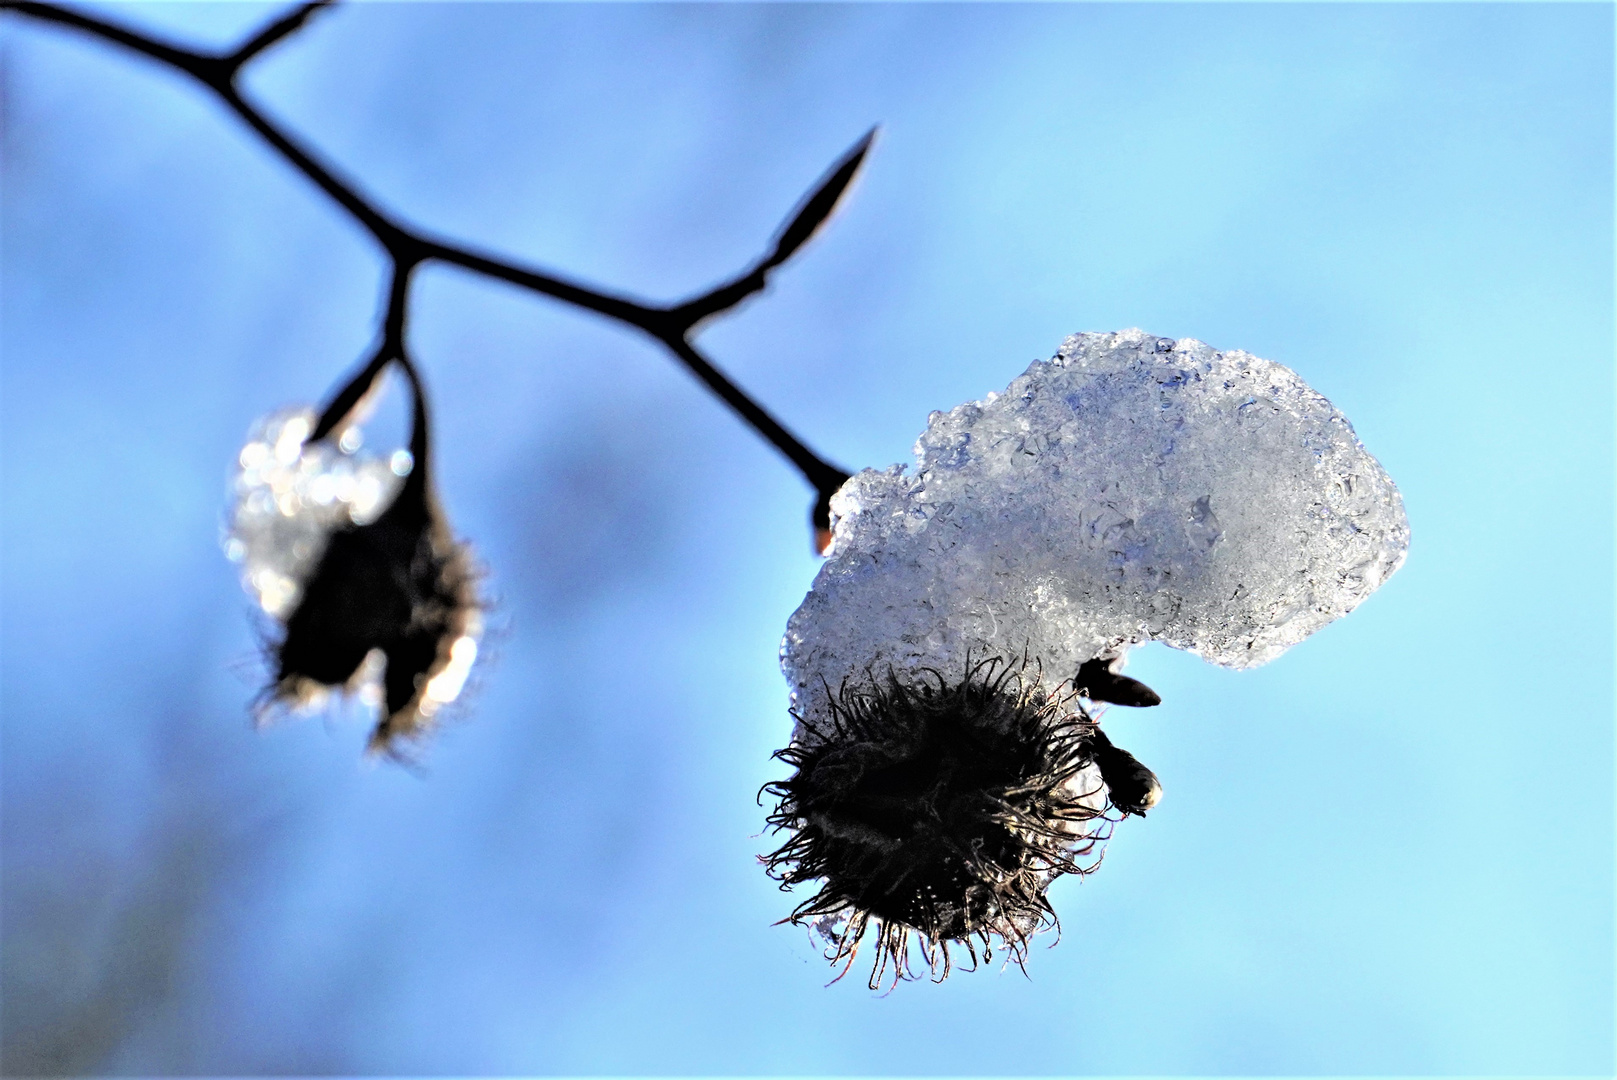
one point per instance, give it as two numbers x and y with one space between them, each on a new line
941 810
1130 489
400 586
360 566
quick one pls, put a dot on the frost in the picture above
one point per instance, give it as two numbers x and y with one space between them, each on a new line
1132 488
289 496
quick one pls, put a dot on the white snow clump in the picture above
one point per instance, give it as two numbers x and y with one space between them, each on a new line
288 496
1131 488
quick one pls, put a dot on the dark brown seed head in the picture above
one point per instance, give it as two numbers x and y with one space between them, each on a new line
399 585
939 809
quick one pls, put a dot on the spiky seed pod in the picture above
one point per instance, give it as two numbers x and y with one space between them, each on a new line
399 585
360 595
941 810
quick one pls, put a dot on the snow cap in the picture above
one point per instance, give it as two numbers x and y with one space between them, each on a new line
1132 488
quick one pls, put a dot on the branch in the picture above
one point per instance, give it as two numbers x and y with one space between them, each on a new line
812 213
287 24
178 58
407 248
825 478
392 347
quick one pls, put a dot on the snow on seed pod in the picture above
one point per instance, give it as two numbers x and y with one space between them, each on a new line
940 810
353 556
1130 489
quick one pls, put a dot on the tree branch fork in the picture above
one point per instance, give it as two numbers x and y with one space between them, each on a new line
674 326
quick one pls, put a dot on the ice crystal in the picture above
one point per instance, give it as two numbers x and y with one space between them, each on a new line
1131 488
289 496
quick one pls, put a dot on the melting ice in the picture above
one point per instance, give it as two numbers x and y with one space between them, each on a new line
1131 488
288 496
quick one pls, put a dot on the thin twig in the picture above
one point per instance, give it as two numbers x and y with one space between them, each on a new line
814 211
391 347
287 24
406 248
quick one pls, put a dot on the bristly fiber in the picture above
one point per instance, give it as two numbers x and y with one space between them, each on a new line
941 810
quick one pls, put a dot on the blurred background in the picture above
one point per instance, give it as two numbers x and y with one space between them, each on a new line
1390 851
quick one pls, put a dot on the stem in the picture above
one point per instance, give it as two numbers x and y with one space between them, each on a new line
825 478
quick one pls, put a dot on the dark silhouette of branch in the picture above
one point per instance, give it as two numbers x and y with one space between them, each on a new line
813 212
406 247
345 400
287 24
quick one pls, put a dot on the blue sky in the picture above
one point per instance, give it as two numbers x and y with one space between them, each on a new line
1390 851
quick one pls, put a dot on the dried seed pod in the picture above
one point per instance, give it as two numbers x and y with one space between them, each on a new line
401 586
940 809
360 567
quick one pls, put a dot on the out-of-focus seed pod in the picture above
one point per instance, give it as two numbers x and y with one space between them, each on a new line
355 559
